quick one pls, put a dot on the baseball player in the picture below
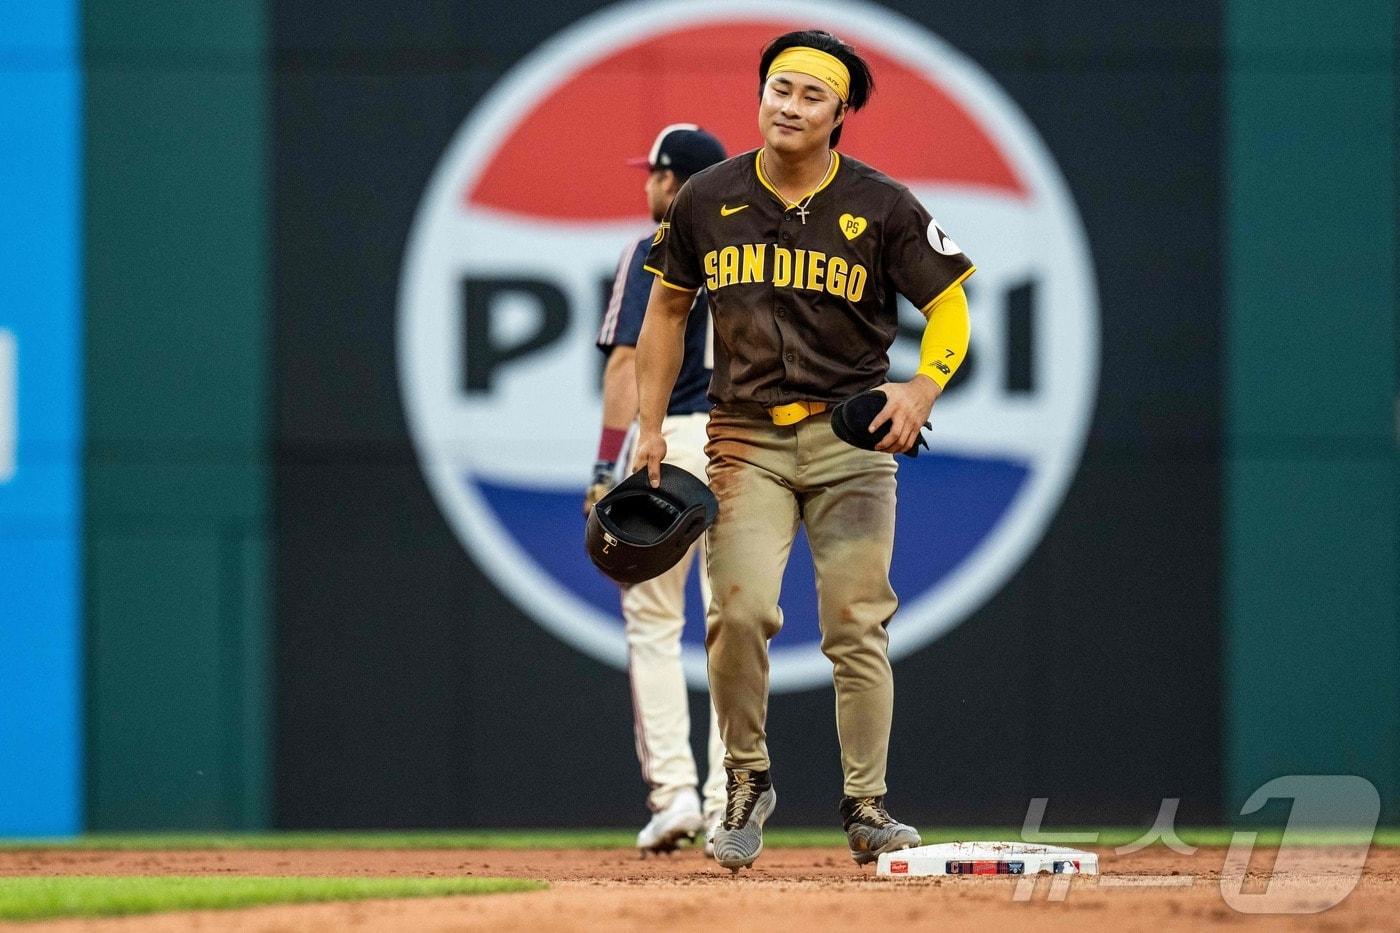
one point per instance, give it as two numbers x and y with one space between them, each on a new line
802 252
654 611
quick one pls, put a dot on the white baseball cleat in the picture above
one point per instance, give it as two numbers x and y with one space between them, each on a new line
712 826
680 821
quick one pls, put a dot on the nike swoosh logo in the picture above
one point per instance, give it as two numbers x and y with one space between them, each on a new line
726 211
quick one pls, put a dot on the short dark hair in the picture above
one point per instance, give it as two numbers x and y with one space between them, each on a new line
862 83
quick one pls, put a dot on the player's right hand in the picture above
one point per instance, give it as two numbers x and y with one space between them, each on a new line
651 450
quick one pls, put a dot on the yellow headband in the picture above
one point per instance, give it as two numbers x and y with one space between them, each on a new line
820 65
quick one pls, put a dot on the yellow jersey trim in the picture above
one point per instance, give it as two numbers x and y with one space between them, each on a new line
927 309
661 277
788 205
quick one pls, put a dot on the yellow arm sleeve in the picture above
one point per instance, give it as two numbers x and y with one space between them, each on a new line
944 344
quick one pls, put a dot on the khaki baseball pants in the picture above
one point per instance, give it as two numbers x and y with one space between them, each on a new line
654 615
768 479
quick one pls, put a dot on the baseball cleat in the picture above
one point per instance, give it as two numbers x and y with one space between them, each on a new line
739 839
713 822
871 830
679 822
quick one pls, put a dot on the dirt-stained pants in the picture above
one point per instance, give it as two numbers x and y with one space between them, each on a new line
768 478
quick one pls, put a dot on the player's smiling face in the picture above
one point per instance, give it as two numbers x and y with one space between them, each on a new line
797 113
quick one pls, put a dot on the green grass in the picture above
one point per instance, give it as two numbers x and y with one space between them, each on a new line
38 898
778 837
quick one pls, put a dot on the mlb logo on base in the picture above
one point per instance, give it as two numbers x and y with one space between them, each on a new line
987 858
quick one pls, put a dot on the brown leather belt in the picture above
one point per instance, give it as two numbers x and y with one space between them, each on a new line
794 412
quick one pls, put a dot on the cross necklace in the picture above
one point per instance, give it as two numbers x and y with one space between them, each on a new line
801 206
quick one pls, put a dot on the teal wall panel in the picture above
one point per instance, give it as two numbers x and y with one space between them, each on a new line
157 683
177 406
1312 661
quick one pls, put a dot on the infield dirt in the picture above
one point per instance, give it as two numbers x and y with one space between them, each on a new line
789 889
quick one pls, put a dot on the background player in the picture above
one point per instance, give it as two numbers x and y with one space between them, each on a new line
801 253
654 611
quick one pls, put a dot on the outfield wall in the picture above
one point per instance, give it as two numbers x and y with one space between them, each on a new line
286 626
414 690
41 306
177 408
1312 658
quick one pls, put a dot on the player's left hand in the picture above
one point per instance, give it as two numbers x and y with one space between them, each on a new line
906 409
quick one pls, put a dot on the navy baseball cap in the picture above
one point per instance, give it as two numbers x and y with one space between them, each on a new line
683 148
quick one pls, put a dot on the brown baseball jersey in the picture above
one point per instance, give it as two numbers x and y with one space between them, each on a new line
803 296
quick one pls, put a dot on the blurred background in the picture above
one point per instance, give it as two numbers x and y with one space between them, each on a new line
297 390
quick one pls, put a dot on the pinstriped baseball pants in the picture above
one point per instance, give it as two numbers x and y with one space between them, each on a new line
768 478
654 615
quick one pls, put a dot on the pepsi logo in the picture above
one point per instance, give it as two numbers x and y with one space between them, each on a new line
518 235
